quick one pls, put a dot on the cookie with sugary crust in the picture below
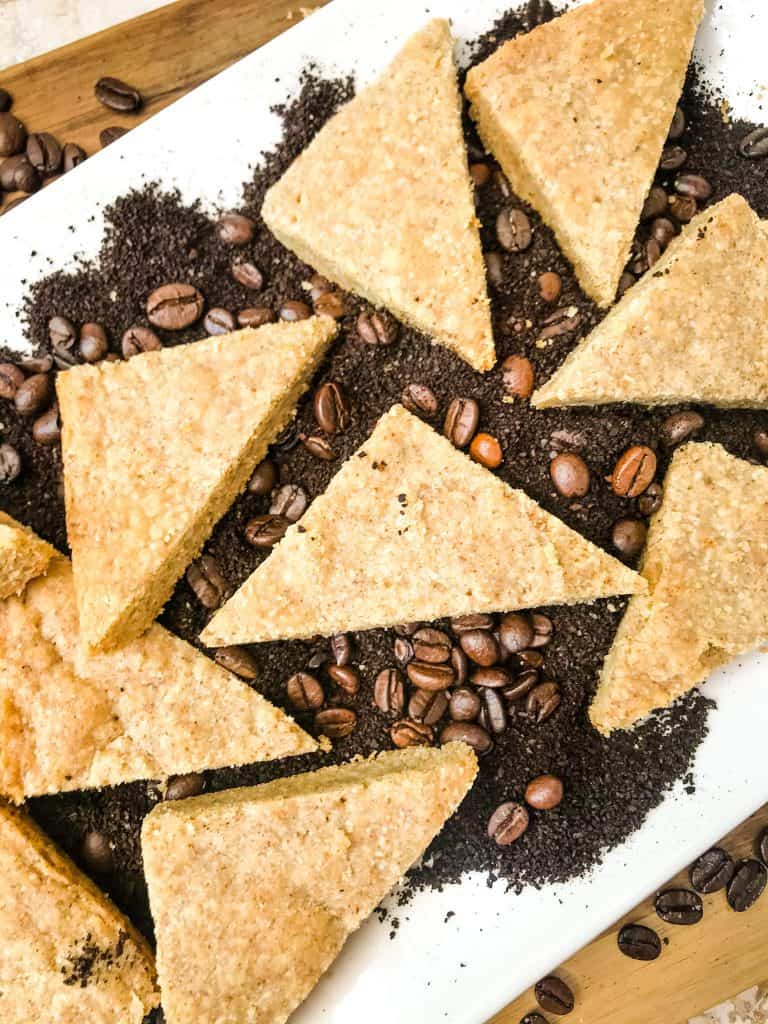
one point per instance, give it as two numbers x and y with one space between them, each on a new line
282 874
23 555
67 954
156 449
577 112
706 565
381 201
411 529
685 332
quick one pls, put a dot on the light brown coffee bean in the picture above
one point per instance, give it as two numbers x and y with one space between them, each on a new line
634 471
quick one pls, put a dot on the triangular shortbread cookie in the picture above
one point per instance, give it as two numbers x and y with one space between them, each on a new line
156 449
577 111
412 529
381 201
292 868
23 555
156 707
706 564
66 953
685 332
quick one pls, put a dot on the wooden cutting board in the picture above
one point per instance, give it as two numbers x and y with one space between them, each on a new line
168 52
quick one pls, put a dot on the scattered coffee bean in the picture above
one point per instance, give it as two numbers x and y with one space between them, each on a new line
235 229
570 475
304 692
218 321
93 342
655 204
174 306
491 678
205 579
97 852
679 906
137 340
638 942
683 208
10 464
543 629
755 144
407 733
378 328
515 632
335 723
72 156
46 429
238 660
264 478
554 995
293 310
470 733
255 316
389 691
543 701
111 134
461 421
427 706
464 705
494 268
319 285
760 439
18 175
419 399
289 501
427 676
13 135
480 646
507 823
346 678
693 185
182 787
517 376
11 379
319 447
652 252
341 649
37 364
331 304
672 158
628 537
486 450
544 792
493 712
521 686
663 231
264 532
513 229
747 885
460 664
249 276
475 620
712 871
680 426
34 395
650 502
331 407
677 127
431 645
550 285
634 471
403 649
562 321
531 659
480 174
117 95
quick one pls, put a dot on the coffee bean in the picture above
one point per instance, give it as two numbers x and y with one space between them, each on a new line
544 792
486 450
477 620
507 823
693 185
431 645
554 995
461 421
634 471
515 632
403 649
331 407
111 134
683 208
18 175
531 659
655 204
460 664
419 399
517 376
34 395
319 447
513 229
331 304
625 283
264 532
263 478
677 127
747 885
11 379
480 646
570 475
37 364
205 579
533 1018
97 852
346 678
494 268
427 706
182 787
427 676
755 144
521 686
550 286
663 231
289 501
13 135
235 229
407 733
341 649
762 846
491 678
638 942
562 321
94 344
493 712
652 252
389 691
480 174
304 692
680 426
72 156
377 328
6 100
218 321
470 733
679 906
238 660
628 537
137 340
543 701
293 310
117 95
760 440
255 316
10 463
174 306
44 152
464 705
46 429
712 871
543 629
249 276
650 502
672 158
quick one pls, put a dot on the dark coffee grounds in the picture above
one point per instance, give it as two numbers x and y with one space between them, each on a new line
610 785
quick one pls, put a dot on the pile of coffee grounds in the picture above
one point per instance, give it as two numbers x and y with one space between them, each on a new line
610 785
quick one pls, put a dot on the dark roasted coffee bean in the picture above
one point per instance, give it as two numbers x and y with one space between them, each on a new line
182 787
174 306
638 942
430 677
378 328
255 316
61 332
762 846
461 421
680 426
290 501
34 395
403 649
341 649
464 705
18 175
319 447
317 659
249 276
494 268
693 185
137 340
72 156
265 531
477 620
521 686
111 134
650 502
319 285
46 429
335 723
117 95
491 678
11 379
63 359
13 135
507 823
331 407
515 632
293 310
513 229
755 145
346 678
652 252
304 692
389 691
470 733
663 231
206 581
486 450
480 174
712 871
37 364
562 321
44 152
677 127
97 852
552 994
531 659
544 792
460 663
93 342
6 101
683 208
493 712
747 885
672 158
431 645
407 733
235 229
480 646
679 906
634 471
517 376
628 537
427 706
550 286
218 321
419 399
570 475
331 304
10 463
238 660
263 478
655 204
543 629
543 701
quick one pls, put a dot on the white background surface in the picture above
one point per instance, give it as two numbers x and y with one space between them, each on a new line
497 943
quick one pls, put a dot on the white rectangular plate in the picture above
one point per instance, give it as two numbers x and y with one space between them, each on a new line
497 943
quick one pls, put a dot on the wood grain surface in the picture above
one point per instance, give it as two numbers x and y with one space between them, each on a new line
166 53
